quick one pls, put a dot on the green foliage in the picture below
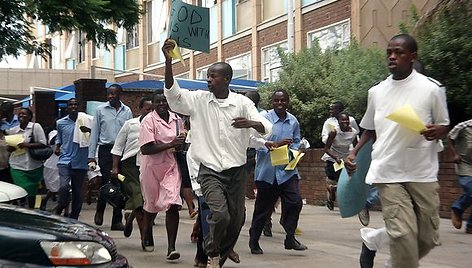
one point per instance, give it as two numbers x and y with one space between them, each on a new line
413 17
90 16
445 43
315 79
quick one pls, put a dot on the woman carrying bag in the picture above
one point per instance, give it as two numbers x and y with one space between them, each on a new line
27 172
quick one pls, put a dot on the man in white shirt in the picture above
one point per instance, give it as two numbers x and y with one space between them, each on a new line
222 123
404 163
332 122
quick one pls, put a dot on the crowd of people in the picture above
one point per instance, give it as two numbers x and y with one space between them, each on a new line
212 141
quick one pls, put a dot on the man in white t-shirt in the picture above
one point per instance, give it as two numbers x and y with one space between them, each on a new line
404 163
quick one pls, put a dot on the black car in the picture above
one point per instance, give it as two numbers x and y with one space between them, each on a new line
30 238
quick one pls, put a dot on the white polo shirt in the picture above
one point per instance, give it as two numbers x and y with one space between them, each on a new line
215 143
400 154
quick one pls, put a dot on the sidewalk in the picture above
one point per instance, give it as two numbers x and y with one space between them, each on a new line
332 242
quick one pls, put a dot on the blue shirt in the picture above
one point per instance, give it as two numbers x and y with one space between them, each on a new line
7 125
71 153
289 128
107 122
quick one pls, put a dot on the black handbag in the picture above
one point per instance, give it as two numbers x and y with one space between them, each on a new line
112 194
40 154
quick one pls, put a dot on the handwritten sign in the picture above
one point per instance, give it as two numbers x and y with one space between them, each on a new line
189 26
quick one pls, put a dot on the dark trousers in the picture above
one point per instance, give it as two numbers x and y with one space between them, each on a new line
203 212
267 195
224 193
70 179
105 161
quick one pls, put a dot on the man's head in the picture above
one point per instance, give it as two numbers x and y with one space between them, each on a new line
145 106
72 108
343 120
113 94
401 54
280 101
335 108
254 96
6 109
218 77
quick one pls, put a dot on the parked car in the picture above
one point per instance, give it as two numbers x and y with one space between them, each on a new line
35 238
10 192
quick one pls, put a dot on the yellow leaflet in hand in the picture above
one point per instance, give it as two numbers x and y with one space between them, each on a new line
279 156
175 53
297 155
337 166
14 140
405 116
121 177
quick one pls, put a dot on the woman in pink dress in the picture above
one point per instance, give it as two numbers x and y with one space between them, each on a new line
160 178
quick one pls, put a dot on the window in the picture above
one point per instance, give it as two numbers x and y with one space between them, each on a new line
334 36
206 3
202 72
241 66
271 64
132 38
155 13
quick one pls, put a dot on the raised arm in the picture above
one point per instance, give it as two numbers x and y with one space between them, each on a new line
169 76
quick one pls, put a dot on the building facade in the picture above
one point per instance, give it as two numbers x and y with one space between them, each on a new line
244 33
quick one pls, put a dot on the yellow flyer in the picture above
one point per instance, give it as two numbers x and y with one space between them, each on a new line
405 116
279 156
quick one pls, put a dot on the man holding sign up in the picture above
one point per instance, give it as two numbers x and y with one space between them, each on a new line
404 163
222 123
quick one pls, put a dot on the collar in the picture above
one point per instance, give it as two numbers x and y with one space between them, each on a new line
172 117
108 105
274 117
230 100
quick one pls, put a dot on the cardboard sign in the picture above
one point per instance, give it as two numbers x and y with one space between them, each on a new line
189 26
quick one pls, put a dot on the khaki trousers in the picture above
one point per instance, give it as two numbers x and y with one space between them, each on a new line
411 214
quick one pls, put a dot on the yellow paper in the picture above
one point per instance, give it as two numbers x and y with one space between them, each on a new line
297 155
175 53
37 201
331 126
279 156
121 177
405 116
337 166
14 140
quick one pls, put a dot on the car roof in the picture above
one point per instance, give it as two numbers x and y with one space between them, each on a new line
9 192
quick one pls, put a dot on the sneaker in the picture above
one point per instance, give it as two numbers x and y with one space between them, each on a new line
330 205
364 216
213 262
173 255
456 219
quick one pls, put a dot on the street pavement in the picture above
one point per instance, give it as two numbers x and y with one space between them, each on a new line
332 242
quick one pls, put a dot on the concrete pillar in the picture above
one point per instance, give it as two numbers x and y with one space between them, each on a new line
44 108
89 90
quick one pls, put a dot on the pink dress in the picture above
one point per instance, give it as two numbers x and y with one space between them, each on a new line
160 176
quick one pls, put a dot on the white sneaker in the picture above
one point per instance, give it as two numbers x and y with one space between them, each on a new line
213 262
